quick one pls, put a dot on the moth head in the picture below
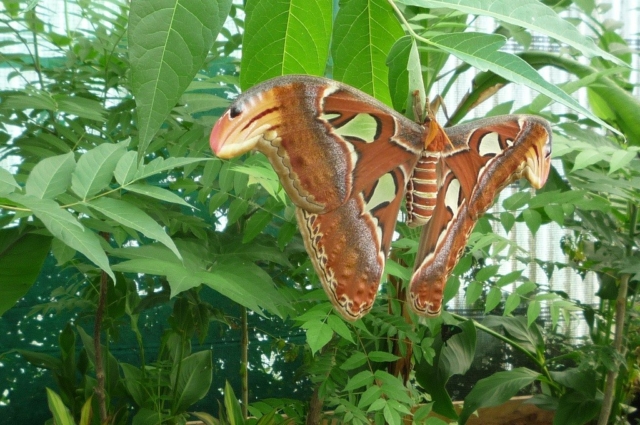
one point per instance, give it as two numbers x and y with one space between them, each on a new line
248 121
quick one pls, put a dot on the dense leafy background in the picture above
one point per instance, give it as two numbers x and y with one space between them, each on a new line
108 129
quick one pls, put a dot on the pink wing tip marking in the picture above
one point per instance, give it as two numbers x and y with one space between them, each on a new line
216 141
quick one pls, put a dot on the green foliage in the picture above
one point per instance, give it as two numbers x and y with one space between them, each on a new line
113 174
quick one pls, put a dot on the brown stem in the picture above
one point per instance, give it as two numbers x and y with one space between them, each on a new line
315 408
244 367
97 330
609 391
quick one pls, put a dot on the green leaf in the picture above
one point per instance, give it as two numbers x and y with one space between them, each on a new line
51 176
532 219
126 168
382 356
364 33
146 416
131 216
61 414
474 290
64 226
513 301
168 43
256 224
509 278
508 220
86 413
456 357
530 14
160 164
575 409
217 200
526 288
482 51
370 395
361 379
586 158
157 193
318 334
555 213
242 282
487 272
262 174
397 61
378 404
391 416
133 380
82 107
232 406
533 312
394 269
7 183
356 360
493 299
528 337
495 390
621 158
285 37
339 327
517 200
194 380
21 259
95 169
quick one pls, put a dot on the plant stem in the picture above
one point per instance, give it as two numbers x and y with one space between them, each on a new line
609 392
621 305
540 363
315 408
244 367
97 330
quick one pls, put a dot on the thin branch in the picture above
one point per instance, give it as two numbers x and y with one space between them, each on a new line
97 331
244 367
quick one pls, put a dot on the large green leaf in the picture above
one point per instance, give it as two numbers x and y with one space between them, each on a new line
530 14
157 193
21 258
160 164
232 407
80 106
168 43
71 104
133 217
285 37
64 226
405 76
576 409
529 337
365 31
483 52
318 334
193 381
95 169
51 176
453 358
7 183
244 283
495 390
61 415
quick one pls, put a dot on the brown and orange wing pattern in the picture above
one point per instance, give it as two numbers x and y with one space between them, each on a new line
344 159
498 151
